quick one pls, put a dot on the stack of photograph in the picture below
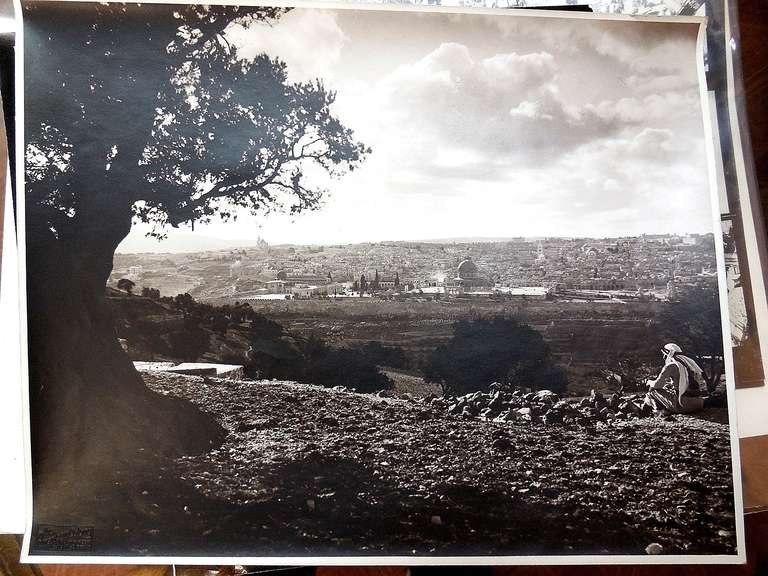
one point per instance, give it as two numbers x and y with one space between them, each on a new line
314 283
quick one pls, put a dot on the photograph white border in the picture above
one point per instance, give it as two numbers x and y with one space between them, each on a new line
355 560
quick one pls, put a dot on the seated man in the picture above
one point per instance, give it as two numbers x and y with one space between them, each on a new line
672 392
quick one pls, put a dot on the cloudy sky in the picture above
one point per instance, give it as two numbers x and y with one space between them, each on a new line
494 126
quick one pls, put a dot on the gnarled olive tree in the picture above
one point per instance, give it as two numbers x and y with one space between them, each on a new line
147 112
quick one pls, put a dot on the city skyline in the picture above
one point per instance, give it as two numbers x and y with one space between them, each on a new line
176 245
526 262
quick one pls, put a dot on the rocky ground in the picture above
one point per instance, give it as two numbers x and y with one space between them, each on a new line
308 470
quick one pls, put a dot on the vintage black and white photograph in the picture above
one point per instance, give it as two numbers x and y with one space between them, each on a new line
372 284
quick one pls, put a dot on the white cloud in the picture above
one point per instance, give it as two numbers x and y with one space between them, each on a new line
531 110
558 127
656 48
308 41
674 107
650 82
501 111
647 179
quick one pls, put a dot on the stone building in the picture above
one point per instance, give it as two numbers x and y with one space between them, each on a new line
468 278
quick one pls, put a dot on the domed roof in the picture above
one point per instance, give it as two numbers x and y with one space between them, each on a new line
467 269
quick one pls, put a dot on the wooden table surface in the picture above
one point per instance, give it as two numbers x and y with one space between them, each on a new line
754 470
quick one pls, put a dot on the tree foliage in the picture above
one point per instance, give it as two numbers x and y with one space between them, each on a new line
376 353
484 351
152 293
273 352
126 284
328 366
190 343
694 323
630 359
150 108
627 372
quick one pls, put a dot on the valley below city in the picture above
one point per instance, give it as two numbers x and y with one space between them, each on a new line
594 301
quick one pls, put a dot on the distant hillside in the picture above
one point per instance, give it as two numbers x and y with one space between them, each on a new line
155 331
183 330
180 242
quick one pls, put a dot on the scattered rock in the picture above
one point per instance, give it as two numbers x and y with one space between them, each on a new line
423 415
244 427
553 417
544 406
546 397
394 471
501 444
329 421
654 549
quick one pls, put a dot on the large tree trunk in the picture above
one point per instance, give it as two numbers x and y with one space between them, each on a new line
91 411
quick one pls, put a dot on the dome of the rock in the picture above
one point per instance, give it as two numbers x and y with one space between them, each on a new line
467 269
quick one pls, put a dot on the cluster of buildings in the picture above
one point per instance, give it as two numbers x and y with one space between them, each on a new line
632 267
467 280
303 285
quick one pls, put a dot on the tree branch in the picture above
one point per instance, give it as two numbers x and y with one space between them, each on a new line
229 185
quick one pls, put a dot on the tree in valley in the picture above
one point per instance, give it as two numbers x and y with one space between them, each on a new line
189 343
483 351
145 112
185 303
126 284
629 359
263 327
152 293
378 354
693 322
328 366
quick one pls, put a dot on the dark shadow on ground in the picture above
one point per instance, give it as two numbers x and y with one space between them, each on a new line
714 414
322 505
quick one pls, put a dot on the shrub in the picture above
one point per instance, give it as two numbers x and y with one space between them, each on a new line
483 351
189 343
392 356
328 366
